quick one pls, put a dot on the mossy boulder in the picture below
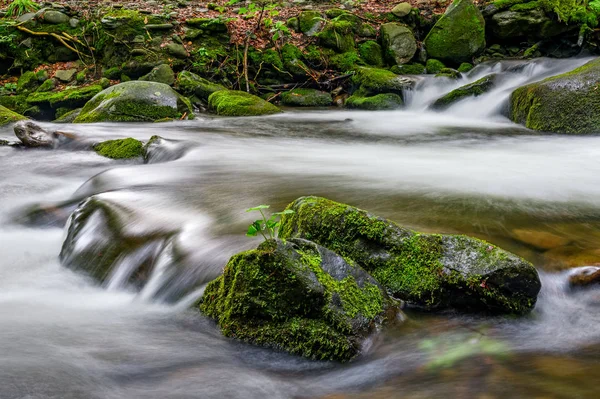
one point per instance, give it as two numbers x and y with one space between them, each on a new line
135 101
67 117
7 116
516 25
474 89
408 69
291 57
120 149
47 85
459 35
161 74
337 35
399 43
427 270
71 97
298 297
371 52
240 103
310 22
27 82
566 103
306 98
372 81
377 102
191 84
434 66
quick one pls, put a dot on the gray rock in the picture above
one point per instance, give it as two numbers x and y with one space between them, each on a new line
33 135
176 50
162 74
55 17
26 17
402 10
65 75
191 84
533 23
399 43
74 22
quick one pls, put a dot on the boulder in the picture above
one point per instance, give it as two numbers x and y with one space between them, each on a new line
338 36
27 82
377 102
398 42
584 276
371 52
474 89
299 297
191 84
159 149
161 74
55 17
7 116
372 81
240 103
526 24
459 35
65 75
70 97
135 101
402 10
310 22
434 66
306 98
566 103
431 271
120 148
33 135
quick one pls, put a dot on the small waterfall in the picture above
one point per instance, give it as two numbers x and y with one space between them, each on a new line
510 75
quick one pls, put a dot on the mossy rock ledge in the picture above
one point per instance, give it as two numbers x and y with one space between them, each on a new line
475 89
431 271
298 297
240 103
566 103
135 101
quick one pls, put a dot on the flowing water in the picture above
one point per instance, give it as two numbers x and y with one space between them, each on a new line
466 170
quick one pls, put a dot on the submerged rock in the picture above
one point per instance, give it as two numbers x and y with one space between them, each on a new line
7 116
427 270
159 149
240 103
135 101
567 103
33 135
119 149
474 89
585 276
299 297
459 35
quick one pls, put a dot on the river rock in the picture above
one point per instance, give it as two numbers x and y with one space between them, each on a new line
191 84
240 103
431 271
306 98
378 102
55 17
474 89
299 297
120 148
159 149
459 35
161 74
399 43
33 135
135 101
7 116
373 81
584 276
567 103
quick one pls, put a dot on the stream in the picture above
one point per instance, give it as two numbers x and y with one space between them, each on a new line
466 170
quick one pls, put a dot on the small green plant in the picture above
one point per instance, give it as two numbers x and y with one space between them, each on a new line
266 227
20 7
279 30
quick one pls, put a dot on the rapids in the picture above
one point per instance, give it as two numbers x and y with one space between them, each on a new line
467 170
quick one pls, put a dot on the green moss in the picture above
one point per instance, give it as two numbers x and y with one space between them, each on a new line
306 98
377 102
120 149
337 35
48 85
192 84
408 69
434 66
113 73
474 89
16 103
27 82
217 25
370 51
70 97
346 62
8 116
465 67
292 60
375 81
239 103
309 22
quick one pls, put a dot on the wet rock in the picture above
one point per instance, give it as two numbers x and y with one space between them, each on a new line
306 98
539 238
240 103
7 116
459 35
135 101
68 117
585 276
573 93
398 42
161 74
377 102
474 89
191 84
432 271
159 149
373 81
571 255
33 135
324 304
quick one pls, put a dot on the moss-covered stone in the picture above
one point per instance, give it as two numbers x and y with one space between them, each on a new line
292 60
71 97
120 148
346 62
135 101
474 89
427 270
567 103
239 103
191 84
298 297
370 51
399 43
7 116
408 69
448 73
63 115
374 81
310 22
382 101
161 74
47 85
459 35
27 82
337 35
465 67
216 25
306 98
434 66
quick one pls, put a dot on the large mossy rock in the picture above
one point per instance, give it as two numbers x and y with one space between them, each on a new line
337 35
306 98
68 98
240 103
372 81
427 270
567 103
298 297
383 101
474 89
135 101
120 148
7 116
191 84
399 43
525 24
459 35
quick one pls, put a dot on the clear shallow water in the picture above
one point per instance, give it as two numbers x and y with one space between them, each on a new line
63 336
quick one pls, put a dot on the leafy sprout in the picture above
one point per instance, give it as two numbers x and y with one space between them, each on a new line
20 7
266 227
